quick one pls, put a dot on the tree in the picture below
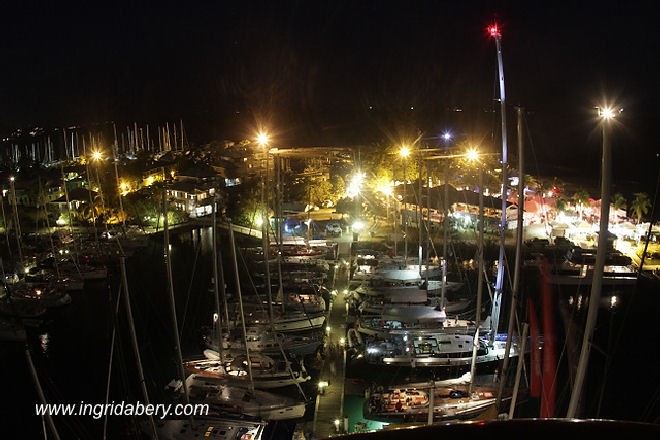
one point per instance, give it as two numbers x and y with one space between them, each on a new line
640 205
581 199
338 187
561 205
619 201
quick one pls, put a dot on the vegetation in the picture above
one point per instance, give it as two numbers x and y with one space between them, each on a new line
640 205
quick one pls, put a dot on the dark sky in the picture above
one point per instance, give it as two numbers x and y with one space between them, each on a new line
345 72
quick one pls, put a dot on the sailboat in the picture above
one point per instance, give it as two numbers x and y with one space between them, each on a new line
218 427
439 401
205 386
223 397
261 339
225 422
266 372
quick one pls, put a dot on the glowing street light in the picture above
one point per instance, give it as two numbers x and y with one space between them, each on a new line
263 139
606 115
404 152
472 154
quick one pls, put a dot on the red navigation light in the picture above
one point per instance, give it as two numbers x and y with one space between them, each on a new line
494 30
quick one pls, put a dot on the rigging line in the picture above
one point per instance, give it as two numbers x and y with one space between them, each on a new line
110 360
608 363
251 280
198 248
635 289
530 143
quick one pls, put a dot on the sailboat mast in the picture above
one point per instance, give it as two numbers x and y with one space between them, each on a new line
518 261
240 304
40 392
217 322
480 278
170 285
497 294
115 152
134 342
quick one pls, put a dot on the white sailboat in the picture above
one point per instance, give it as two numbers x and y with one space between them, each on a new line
438 401
267 373
220 427
241 400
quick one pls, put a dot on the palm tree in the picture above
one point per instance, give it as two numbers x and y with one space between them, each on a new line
619 201
640 205
581 198
561 205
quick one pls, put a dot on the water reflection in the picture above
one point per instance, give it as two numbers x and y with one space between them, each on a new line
44 342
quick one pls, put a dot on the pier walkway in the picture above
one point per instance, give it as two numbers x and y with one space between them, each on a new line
328 414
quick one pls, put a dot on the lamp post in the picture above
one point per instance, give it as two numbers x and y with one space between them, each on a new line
96 157
473 156
262 141
404 153
446 136
606 115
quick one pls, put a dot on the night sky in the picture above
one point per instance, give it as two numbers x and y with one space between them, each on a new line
346 73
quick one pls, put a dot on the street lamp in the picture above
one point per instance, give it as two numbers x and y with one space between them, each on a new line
606 115
404 152
473 156
262 141
446 136
387 192
353 190
96 157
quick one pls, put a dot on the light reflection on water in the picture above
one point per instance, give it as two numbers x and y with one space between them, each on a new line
44 342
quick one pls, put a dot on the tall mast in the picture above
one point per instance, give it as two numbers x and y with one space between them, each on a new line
480 278
494 32
115 152
240 303
134 342
170 285
518 262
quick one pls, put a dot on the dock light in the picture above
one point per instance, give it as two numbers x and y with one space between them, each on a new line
322 385
342 341
358 225
337 423
327 329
